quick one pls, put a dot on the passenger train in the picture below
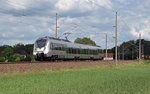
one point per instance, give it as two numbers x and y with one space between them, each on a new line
48 48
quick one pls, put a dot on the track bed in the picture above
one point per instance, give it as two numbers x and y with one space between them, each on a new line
35 66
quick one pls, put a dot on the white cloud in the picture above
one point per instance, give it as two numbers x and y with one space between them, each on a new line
13 42
51 31
145 33
76 16
103 3
92 35
134 32
82 5
18 4
21 36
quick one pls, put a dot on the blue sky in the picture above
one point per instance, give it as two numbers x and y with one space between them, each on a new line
23 21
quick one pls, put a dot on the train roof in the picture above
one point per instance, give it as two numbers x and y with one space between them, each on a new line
69 42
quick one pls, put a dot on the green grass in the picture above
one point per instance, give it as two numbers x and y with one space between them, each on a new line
109 79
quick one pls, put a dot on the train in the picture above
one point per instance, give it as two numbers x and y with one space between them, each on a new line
49 48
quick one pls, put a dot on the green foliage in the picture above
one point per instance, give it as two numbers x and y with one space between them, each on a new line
17 59
130 49
11 58
2 59
19 48
29 49
23 49
7 52
129 80
85 40
28 58
32 58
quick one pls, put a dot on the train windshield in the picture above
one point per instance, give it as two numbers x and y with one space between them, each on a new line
41 43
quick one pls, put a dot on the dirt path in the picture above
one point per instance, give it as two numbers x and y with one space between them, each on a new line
22 67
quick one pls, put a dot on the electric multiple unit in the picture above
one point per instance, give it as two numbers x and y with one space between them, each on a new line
52 49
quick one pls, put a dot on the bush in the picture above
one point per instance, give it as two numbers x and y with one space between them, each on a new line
11 58
2 59
32 58
17 59
28 58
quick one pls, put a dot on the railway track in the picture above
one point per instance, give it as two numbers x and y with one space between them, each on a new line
36 66
59 61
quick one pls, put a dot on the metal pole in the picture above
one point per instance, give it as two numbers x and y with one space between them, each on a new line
0 51
123 52
116 40
139 46
142 50
106 46
56 25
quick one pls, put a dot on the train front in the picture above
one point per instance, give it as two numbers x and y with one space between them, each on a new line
40 50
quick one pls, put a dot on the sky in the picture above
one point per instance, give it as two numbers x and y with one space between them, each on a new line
24 21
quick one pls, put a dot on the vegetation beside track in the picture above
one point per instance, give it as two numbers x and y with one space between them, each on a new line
130 78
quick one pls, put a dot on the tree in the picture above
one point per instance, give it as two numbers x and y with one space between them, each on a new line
11 58
23 49
7 52
19 48
28 48
128 50
85 40
2 59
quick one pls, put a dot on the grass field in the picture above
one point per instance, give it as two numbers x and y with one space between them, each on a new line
108 79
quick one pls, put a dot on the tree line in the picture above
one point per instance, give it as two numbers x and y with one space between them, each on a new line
16 53
126 51
130 50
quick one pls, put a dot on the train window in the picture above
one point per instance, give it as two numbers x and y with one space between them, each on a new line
99 50
51 46
63 47
69 50
83 51
41 43
60 47
78 51
55 46
86 51
94 52
90 51
73 50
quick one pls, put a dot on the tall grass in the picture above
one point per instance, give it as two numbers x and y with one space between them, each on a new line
123 79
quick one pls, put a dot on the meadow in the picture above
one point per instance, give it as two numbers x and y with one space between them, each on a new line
107 79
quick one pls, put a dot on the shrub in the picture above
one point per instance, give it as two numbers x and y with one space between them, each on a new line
28 58
2 59
11 58
32 58
17 59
